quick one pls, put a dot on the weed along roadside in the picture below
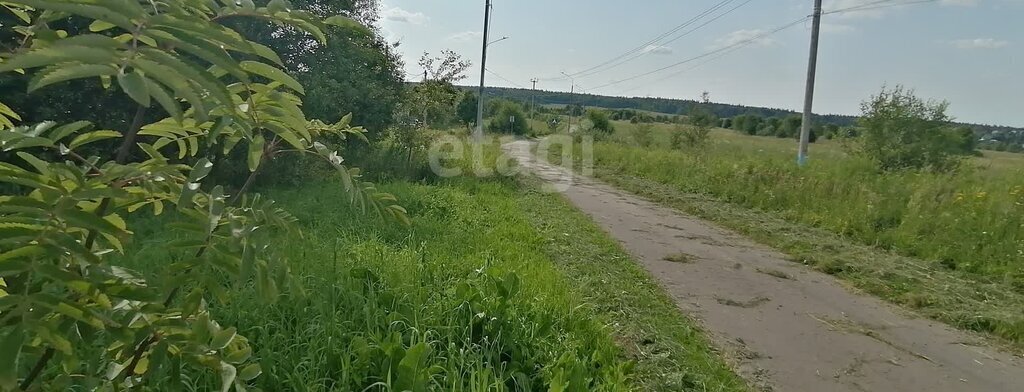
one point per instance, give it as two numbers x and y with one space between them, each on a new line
781 325
938 253
493 285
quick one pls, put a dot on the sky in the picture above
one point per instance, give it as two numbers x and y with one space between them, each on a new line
968 52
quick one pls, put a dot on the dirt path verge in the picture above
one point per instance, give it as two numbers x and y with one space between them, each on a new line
787 327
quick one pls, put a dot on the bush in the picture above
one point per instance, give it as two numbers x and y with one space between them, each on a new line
509 118
701 117
689 136
900 131
601 122
643 134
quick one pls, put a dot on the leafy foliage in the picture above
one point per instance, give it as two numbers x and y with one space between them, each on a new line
600 122
60 294
901 131
466 111
643 134
434 100
508 118
689 136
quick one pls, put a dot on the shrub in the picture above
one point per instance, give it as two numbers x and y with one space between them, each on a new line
643 134
509 118
900 131
600 122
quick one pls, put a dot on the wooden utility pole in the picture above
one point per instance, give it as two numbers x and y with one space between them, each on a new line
812 65
478 133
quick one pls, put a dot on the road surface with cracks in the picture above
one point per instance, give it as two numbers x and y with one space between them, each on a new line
784 326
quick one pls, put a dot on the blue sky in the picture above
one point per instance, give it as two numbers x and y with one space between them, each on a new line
969 52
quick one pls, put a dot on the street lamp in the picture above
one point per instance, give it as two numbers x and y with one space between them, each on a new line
479 129
497 40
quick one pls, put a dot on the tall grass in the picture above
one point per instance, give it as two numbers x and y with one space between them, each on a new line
464 299
972 220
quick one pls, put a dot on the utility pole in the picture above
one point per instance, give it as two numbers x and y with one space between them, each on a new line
533 98
572 99
812 65
478 133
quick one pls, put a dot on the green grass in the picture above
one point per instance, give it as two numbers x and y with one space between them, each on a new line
972 220
670 351
493 287
949 245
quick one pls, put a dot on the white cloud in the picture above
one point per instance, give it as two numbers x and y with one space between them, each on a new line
396 14
978 43
465 36
749 37
658 49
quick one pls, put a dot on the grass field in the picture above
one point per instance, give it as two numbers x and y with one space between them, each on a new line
950 245
494 286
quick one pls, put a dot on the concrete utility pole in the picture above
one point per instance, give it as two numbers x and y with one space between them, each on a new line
572 99
812 65
533 97
478 132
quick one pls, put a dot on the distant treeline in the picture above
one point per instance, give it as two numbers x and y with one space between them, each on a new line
659 105
994 137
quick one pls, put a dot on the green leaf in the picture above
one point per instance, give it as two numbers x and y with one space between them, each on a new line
169 103
64 131
345 22
79 218
240 356
285 133
277 6
41 166
256 152
134 84
202 49
217 128
267 53
6 111
10 346
191 186
272 73
223 338
99 25
182 88
250 372
91 137
95 12
54 55
20 13
190 72
64 72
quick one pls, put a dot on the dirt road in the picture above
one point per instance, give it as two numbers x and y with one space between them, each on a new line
786 327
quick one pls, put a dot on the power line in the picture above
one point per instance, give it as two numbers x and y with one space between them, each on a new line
644 45
706 54
503 78
651 42
676 38
876 5
685 70
862 7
